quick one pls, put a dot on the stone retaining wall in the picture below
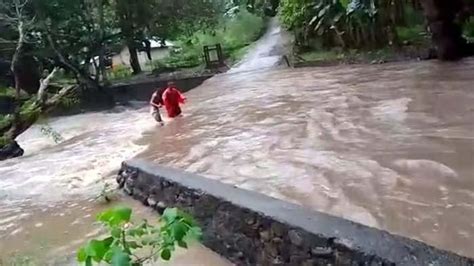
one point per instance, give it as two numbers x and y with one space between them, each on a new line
249 228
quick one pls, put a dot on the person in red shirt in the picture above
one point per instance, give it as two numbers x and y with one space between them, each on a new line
172 98
156 102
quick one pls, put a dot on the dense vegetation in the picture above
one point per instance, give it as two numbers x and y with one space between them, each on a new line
234 32
51 50
366 24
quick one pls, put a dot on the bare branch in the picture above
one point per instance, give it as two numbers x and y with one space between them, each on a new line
6 41
53 101
8 19
44 85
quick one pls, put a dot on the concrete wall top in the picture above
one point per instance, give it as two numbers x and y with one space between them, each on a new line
366 240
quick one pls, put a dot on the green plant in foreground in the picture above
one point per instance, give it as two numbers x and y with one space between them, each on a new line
107 194
130 244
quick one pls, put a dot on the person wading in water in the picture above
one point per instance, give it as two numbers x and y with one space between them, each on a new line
172 98
156 102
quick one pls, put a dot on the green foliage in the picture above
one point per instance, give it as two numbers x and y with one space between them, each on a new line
69 101
234 33
7 92
469 29
120 72
321 55
4 141
175 18
30 110
5 120
126 242
347 23
413 35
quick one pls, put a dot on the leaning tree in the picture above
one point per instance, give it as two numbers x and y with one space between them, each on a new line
14 13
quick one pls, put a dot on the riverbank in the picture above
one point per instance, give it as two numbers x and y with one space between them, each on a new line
380 56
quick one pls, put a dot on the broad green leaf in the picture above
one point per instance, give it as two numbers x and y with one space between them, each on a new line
166 254
186 218
133 245
183 244
115 216
88 261
120 258
108 242
179 230
81 255
170 214
96 249
116 232
195 232
108 256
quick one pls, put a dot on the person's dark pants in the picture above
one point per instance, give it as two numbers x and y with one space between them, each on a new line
156 114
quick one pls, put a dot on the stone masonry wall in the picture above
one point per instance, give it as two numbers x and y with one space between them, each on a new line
252 229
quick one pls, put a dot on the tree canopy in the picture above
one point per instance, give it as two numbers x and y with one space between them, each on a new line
42 36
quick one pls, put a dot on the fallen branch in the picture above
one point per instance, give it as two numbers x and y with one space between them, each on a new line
44 85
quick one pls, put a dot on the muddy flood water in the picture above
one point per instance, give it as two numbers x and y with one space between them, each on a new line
389 146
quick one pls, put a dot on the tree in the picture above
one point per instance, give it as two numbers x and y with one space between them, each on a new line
26 113
134 17
446 29
73 32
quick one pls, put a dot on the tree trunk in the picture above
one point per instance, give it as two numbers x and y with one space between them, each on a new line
103 71
26 74
446 32
134 63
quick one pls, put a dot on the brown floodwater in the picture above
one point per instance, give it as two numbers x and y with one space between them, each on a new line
48 197
390 146
50 235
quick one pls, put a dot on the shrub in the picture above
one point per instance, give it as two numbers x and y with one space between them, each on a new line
120 72
126 242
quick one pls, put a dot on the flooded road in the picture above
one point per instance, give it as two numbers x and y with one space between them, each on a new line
48 197
389 146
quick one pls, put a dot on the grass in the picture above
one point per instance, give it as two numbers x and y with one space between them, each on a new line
349 56
237 54
120 73
415 35
321 55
